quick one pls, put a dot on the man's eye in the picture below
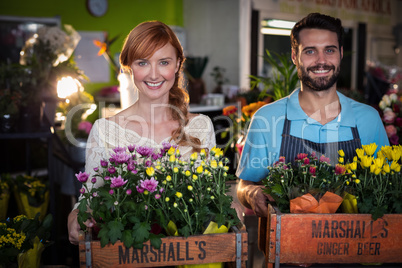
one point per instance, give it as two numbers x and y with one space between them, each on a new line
330 50
309 51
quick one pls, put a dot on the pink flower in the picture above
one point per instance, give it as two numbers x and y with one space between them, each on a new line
117 182
85 126
313 170
120 157
82 190
149 184
306 161
140 189
128 192
103 163
157 196
82 176
389 116
394 140
301 156
281 159
339 170
111 192
324 159
391 130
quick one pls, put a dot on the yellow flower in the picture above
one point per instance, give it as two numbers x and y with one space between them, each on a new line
366 161
386 168
357 181
175 170
220 164
150 171
175 204
195 177
341 153
359 152
179 195
395 166
199 170
190 188
340 160
177 152
168 178
214 164
171 151
370 149
202 152
167 199
225 168
395 154
146 192
172 158
194 156
378 162
187 173
353 166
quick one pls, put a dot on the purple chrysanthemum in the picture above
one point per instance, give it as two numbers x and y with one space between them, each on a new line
144 151
131 148
82 176
111 169
120 157
119 149
140 189
82 190
149 184
117 182
103 163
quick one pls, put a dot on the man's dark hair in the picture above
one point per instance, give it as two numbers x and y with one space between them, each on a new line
316 21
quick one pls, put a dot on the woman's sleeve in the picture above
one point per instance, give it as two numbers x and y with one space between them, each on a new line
95 151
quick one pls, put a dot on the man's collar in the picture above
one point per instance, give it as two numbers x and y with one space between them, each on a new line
295 112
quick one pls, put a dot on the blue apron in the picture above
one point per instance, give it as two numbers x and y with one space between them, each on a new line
291 146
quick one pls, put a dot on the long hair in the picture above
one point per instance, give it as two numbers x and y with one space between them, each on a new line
142 42
316 21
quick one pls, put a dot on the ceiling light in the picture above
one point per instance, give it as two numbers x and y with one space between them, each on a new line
283 24
275 31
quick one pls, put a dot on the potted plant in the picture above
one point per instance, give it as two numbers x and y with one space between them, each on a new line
23 239
149 195
219 78
194 68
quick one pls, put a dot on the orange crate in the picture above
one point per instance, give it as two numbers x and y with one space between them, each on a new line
329 238
229 247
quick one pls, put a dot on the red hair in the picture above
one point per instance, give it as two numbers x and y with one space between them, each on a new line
141 43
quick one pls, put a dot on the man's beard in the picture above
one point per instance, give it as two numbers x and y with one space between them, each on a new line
321 83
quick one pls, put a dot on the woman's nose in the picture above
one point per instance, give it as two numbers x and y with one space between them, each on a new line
154 72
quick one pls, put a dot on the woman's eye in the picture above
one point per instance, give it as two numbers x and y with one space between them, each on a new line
164 62
142 63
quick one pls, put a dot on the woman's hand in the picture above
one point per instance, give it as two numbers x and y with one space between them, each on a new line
74 227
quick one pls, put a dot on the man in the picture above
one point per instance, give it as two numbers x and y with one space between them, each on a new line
314 118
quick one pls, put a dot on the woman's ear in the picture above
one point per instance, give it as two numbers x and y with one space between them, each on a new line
178 64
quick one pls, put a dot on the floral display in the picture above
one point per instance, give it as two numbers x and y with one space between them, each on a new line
375 181
21 234
48 56
238 124
368 184
148 194
391 114
32 195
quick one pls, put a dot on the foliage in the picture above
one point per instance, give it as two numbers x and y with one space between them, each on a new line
376 181
218 75
284 78
75 110
147 192
238 123
391 114
5 183
17 235
34 187
308 174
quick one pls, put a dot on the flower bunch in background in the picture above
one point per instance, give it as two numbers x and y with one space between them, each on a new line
391 114
148 194
48 57
32 195
238 124
375 181
21 234
307 175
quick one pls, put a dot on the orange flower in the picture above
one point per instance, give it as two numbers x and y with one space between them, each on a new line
101 45
250 109
229 110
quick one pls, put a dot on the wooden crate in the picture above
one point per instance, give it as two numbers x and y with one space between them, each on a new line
229 247
329 238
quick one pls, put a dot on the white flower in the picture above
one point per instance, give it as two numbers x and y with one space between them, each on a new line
393 97
386 100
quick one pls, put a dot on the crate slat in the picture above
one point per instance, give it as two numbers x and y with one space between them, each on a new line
174 251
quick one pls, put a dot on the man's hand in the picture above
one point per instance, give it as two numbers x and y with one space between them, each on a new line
74 227
252 196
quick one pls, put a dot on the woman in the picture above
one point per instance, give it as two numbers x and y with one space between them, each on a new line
154 57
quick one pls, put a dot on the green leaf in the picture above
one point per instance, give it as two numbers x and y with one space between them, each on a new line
127 238
115 229
141 232
156 240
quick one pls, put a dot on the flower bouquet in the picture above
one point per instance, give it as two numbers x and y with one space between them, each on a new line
374 184
23 240
238 124
32 195
148 194
309 185
391 114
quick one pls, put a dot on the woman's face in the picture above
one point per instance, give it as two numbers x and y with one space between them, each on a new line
155 76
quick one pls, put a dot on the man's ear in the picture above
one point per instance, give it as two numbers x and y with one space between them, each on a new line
342 52
294 56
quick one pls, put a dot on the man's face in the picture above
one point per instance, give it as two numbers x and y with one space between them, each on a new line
318 58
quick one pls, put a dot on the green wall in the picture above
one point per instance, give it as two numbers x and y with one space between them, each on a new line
121 17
